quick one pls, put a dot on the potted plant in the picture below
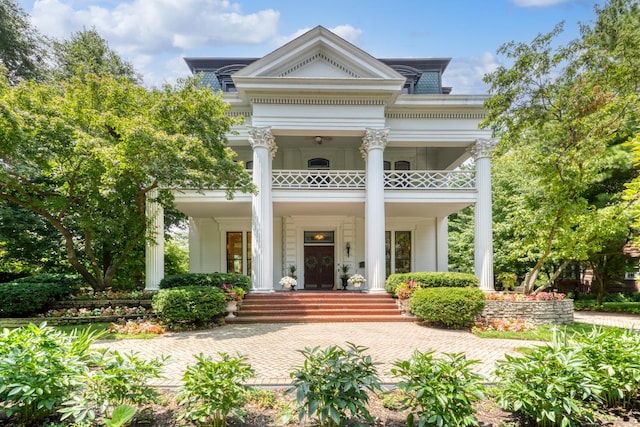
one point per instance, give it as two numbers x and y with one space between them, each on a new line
232 295
288 282
344 275
292 271
356 280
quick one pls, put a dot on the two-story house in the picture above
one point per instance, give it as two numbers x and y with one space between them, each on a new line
356 160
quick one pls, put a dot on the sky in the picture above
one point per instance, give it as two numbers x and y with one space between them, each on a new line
156 35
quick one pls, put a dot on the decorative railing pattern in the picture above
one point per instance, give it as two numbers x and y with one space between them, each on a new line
393 180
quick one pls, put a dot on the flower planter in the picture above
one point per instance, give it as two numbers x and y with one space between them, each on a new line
232 308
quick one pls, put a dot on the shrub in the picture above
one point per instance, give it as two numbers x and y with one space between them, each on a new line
211 390
613 354
552 385
40 368
441 391
333 383
431 280
194 304
452 307
206 279
34 294
116 380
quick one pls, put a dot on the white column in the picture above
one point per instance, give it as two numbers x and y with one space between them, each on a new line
483 215
154 253
442 244
373 145
264 149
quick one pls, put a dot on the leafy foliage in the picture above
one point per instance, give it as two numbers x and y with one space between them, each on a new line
452 307
613 354
22 49
431 280
563 116
194 304
40 368
85 154
212 390
116 380
33 294
206 279
553 385
440 391
333 384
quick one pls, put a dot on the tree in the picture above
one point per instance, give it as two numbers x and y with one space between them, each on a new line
87 52
84 154
562 115
22 48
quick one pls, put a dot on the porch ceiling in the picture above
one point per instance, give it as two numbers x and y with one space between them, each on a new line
238 208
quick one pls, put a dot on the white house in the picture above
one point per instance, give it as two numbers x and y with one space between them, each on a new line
356 161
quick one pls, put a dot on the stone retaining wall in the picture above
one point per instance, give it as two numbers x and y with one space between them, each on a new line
539 312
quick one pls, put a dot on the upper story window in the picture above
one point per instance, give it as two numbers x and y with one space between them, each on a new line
400 165
318 163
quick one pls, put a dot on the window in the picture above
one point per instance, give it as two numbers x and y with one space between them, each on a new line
239 252
397 252
318 163
248 165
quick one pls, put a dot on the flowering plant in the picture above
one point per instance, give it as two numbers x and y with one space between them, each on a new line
288 282
406 289
135 327
541 296
509 324
356 280
232 293
98 312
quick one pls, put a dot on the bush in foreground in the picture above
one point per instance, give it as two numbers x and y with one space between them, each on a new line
191 304
34 294
452 307
206 279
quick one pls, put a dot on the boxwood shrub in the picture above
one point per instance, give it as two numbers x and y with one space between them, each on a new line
33 295
452 307
206 279
431 279
190 304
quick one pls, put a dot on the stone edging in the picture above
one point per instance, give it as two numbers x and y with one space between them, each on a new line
539 312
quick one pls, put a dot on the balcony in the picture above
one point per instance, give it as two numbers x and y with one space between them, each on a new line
393 180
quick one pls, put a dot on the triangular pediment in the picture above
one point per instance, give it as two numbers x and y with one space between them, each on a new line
318 54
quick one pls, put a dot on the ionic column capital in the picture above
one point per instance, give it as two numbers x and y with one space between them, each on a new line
483 147
374 138
261 137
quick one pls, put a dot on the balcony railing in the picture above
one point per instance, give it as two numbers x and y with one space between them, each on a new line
393 180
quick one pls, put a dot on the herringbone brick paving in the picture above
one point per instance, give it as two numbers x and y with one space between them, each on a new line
272 348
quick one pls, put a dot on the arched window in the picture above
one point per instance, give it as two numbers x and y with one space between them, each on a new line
402 165
318 163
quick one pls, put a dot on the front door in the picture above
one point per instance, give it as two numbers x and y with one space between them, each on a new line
318 267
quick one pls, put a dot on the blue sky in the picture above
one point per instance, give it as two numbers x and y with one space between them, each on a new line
155 35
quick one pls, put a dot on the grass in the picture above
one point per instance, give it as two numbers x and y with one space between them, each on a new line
542 333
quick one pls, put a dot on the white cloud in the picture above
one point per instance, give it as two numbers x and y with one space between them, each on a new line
465 75
147 32
538 3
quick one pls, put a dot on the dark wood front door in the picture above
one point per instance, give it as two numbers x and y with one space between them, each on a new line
319 267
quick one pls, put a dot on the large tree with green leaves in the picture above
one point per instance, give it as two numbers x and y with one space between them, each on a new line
87 52
22 48
84 154
563 115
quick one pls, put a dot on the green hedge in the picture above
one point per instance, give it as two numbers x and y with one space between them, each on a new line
452 307
193 304
431 280
206 279
34 294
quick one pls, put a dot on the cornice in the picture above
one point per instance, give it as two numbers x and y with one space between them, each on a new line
435 115
317 101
